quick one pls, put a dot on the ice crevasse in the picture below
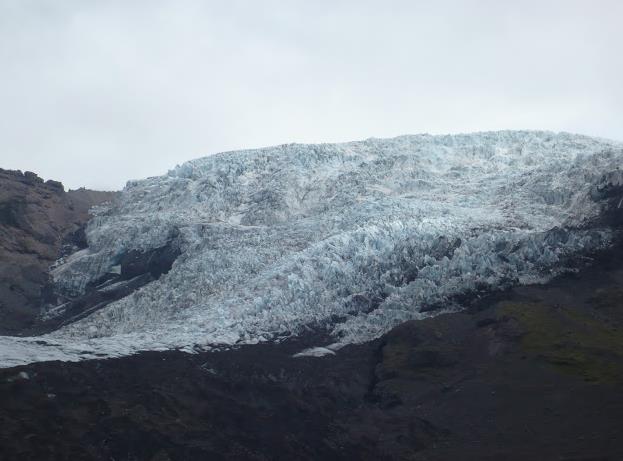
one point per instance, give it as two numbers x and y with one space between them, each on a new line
354 238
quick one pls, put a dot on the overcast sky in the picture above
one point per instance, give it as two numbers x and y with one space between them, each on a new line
94 93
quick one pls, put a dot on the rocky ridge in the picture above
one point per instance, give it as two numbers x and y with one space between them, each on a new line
39 222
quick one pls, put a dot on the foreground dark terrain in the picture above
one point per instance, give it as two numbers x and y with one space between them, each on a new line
532 373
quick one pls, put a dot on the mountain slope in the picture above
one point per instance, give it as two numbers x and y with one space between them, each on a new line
355 238
532 373
36 219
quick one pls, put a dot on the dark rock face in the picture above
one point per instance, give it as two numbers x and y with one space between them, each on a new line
137 268
154 262
610 193
36 219
40 222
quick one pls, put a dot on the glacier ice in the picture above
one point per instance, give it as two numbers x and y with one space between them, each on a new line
356 237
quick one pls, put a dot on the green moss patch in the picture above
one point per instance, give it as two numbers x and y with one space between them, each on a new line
572 341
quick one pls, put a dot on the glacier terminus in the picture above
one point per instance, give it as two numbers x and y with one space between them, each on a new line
354 238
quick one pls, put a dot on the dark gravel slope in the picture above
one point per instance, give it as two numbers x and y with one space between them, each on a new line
532 373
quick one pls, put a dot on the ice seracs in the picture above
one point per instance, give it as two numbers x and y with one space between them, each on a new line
355 237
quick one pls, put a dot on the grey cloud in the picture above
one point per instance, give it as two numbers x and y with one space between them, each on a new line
94 93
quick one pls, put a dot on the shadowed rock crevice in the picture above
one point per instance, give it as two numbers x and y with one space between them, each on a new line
134 270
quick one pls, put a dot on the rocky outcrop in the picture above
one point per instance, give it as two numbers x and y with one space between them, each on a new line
135 269
610 193
39 221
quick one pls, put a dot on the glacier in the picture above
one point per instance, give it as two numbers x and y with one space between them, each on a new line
354 237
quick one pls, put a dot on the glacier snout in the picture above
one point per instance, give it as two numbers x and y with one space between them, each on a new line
354 237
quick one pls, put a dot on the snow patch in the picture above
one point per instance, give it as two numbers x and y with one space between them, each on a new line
315 352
